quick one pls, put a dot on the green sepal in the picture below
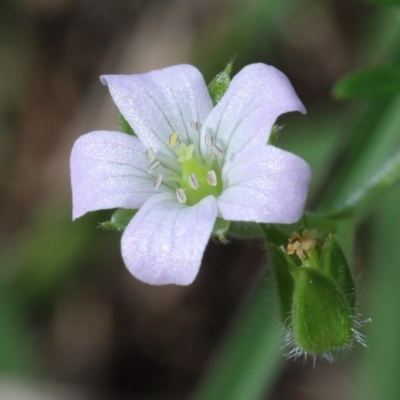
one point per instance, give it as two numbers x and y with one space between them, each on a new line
321 315
219 85
220 229
283 267
119 220
125 127
334 264
275 133
245 230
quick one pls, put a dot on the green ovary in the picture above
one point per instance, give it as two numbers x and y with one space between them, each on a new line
193 196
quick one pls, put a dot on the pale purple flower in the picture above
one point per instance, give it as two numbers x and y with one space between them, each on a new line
189 164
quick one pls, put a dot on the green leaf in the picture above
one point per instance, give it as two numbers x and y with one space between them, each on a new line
119 220
378 82
125 127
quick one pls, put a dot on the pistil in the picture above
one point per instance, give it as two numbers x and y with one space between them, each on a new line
189 174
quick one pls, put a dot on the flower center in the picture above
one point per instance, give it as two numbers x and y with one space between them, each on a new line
191 175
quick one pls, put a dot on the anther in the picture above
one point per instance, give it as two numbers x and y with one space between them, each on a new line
173 140
158 181
150 154
209 140
212 178
180 194
153 166
196 126
194 182
217 151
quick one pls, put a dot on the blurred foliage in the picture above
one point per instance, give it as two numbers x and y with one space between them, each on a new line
47 254
17 354
44 255
247 362
385 2
379 82
380 366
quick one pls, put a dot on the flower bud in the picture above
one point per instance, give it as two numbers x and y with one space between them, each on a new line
321 314
316 292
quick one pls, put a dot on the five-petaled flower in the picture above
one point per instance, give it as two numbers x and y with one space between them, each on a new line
189 164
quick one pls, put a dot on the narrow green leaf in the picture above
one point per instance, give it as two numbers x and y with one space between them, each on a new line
366 196
378 82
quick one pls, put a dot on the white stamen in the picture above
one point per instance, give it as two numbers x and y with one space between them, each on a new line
218 152
194 182
150 154
153 166
212 178
180 194
196 126
158 181
209 140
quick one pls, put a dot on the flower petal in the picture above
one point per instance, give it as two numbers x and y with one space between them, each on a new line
109 170
264 184
257 95
165 241
161 102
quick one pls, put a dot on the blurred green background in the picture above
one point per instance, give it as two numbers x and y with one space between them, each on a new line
74 324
